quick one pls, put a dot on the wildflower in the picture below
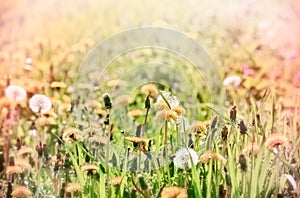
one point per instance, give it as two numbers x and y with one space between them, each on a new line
179 110
135 113
172 100
198 131
210 155
70 135
116 83
73 187
22 163
252 147
150 89
275 140
21 192
57 84
24 150
40 103
122 100
184 158
45 121
90 168
32 132
10 170
173 192
166 115
15 92
137 139
232 82
116 181
161 105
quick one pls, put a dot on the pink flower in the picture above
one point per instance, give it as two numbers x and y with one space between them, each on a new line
15 92
246 70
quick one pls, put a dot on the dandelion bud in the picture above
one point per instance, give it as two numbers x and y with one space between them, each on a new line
147 102
233 114
107 101
142 182
224 132
242 161
243 128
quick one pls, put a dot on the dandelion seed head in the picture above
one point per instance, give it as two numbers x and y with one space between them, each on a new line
184 158
15 92
232 82
40 103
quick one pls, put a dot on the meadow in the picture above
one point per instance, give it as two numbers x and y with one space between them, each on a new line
89 108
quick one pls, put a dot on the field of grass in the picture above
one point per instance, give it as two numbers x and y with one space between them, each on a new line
211 109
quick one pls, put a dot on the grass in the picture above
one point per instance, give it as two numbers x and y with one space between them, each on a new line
93 150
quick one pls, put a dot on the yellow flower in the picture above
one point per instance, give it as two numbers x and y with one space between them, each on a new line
70 135
21 192
210 155
135 139
150 89
73 187
173 192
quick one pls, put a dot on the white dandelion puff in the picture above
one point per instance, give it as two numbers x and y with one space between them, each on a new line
184 158
172 100
232 82
15 92
40 103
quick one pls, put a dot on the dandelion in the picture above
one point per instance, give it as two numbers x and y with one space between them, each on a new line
161 105
70 135
116 181
24 150
179 110
21 192
166 115
173 192
172 100
232 82
90 168
252 147
15 92
135 113
198 131
210 155
40 103
122 100
184 158
150 89
11 170
56 84
275 140
73 187
135 139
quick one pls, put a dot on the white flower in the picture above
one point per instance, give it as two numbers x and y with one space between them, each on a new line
32 132
15 92
184 158
232 82
40 103
172 100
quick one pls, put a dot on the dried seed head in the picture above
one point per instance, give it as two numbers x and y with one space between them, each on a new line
243 128
107 102
224 132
